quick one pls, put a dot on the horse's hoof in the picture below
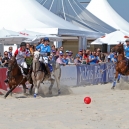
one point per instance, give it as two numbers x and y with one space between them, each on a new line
35 95
59 92
118 81
112 87
50 92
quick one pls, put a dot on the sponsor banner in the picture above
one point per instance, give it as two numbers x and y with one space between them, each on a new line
110 72
91 74
68 75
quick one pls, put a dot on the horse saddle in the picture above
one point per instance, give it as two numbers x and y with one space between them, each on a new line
46 68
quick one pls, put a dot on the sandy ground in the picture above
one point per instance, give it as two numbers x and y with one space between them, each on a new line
109 109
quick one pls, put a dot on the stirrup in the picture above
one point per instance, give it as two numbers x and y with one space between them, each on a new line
6 81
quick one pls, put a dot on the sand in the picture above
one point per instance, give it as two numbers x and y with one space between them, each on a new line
109 109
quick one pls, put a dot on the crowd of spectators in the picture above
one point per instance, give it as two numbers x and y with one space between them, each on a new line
66 57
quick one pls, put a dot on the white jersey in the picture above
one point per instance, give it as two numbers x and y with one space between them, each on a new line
20 55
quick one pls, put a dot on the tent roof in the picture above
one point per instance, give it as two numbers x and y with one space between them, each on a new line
28 14
74 12
103 10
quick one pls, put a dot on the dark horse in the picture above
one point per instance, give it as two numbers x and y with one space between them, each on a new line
122 65
15 77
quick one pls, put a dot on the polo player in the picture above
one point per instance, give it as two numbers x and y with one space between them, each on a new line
45 50
21 54
126 50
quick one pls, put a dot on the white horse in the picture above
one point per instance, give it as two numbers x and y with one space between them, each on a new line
38 75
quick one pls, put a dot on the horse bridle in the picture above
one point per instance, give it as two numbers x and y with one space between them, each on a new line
13 66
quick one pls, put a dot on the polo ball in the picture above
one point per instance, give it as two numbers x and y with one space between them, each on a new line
87 100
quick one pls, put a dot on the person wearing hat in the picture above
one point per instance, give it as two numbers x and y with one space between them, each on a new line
60 58
45 50
126 49
80 53
21 54
77 60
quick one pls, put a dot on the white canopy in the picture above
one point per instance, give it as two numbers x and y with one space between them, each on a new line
102 10
27 14
9 37
112 38
37 36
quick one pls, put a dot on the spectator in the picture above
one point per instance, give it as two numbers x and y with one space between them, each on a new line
93 59
53 48
77 60
70 58
80 54
114 59
10 52
59 60
86 55
64 59
54 56
61 49
5 59
0 60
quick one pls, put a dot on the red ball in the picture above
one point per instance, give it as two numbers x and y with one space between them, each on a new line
87 100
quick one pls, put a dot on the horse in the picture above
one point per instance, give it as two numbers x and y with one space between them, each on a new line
15 76
38 75
122 65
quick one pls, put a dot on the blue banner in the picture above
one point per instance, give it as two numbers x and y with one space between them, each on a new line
94 74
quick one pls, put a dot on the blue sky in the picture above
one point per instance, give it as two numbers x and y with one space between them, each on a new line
120 6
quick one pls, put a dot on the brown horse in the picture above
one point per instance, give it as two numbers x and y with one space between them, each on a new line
15 76
122 66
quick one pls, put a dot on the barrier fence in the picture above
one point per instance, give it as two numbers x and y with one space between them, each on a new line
72 75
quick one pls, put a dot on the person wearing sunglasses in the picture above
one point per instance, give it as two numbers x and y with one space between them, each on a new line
5 59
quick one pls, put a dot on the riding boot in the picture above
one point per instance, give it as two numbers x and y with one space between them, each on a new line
6 81
48 70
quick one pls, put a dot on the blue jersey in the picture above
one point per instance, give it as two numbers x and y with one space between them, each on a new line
126 49
43 48
94 59
65 61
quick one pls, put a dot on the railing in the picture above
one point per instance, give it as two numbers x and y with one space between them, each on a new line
76 75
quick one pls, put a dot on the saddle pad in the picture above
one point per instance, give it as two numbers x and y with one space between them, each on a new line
50 67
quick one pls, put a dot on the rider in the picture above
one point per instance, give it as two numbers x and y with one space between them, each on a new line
45 49
21 54
126 49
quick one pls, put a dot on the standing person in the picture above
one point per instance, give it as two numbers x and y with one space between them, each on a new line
59 59
5 59
10 52
80 54
45 49
77 60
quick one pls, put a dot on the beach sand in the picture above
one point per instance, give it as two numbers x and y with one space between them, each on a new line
109 109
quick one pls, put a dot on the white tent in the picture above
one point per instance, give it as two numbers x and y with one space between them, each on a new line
74 12
102 10
36 36
9 37
29 14
112 38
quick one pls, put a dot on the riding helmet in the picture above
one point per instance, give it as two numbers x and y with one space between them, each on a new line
23 44
127 40
46 39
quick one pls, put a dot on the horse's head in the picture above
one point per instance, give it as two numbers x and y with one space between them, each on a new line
12 63
36 56
118 48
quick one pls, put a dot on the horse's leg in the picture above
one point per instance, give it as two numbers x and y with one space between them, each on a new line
50 87
30 90
114 82
118 79
9 91
24 89
37 85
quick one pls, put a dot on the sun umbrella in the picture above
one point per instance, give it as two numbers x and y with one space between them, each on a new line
112 38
